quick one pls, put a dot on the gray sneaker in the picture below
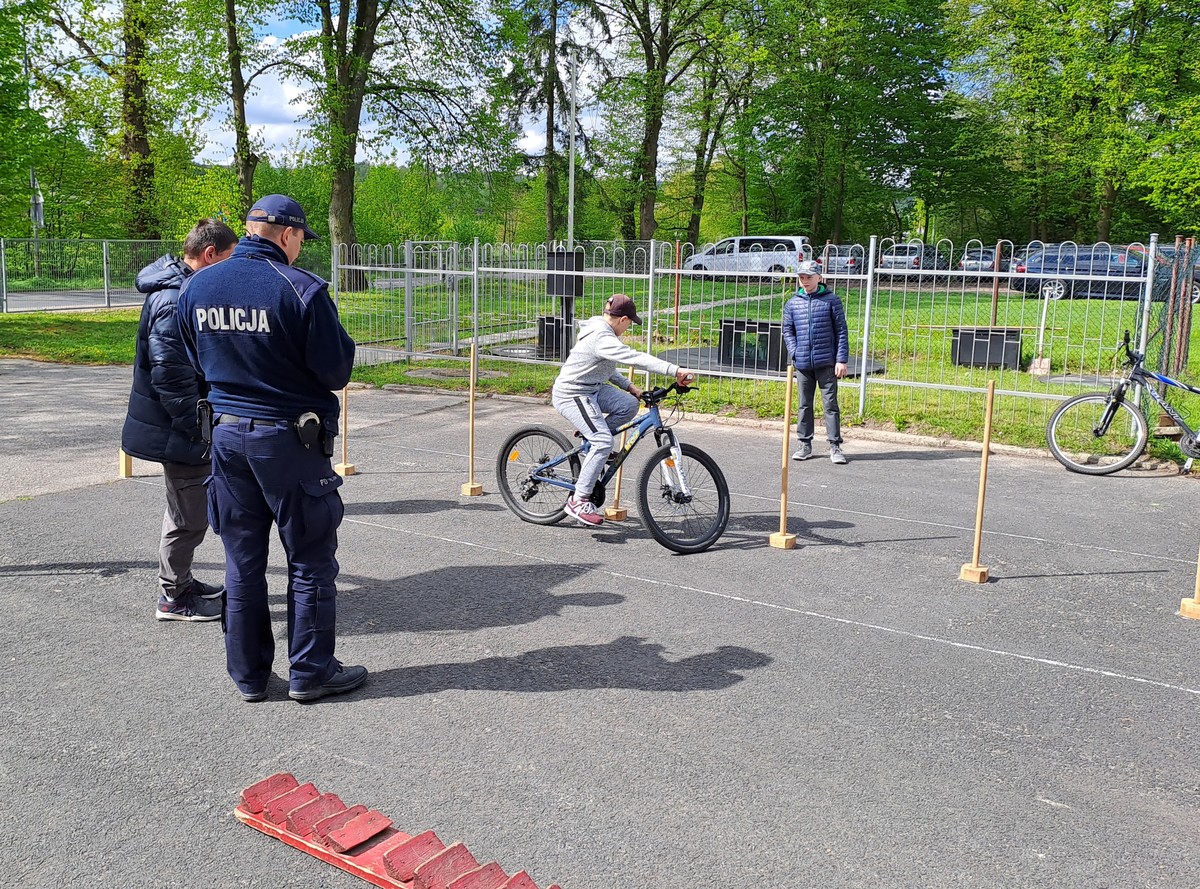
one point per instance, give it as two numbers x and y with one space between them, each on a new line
804 451
836 455
189 607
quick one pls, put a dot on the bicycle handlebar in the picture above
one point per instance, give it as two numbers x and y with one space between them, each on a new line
1132 357
658 393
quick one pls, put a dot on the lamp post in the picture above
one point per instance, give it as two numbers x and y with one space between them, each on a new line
37 218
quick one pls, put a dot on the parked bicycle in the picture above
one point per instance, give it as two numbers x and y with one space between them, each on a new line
682 495
1101 432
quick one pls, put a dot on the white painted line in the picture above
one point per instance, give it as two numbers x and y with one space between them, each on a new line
816 615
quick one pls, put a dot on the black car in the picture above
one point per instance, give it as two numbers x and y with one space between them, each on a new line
1066 270
1171 257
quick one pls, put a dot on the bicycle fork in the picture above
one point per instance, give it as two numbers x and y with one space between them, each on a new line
672 470
1116 395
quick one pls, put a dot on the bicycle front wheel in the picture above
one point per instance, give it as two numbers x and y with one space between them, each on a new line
525 450
1096 434
685 523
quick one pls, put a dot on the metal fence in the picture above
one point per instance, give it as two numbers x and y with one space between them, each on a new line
929 324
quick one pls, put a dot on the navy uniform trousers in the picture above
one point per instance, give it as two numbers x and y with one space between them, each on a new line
262 473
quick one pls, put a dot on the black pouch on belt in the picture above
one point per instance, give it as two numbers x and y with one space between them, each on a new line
204 418
308 427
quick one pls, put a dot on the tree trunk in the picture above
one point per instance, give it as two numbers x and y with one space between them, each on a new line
839 200
648 155
135 141
549 84
244 159
1107 202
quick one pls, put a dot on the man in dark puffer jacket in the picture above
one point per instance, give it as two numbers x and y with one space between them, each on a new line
814 329
161 424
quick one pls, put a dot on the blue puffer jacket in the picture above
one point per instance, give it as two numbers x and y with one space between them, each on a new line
814 329
161 423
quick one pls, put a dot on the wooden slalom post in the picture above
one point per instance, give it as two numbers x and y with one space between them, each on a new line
973 572
124 465
472 488
617 512
782 539
345 468
1190 608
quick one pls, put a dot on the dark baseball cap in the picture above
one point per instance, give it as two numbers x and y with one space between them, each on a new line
281 210
621 306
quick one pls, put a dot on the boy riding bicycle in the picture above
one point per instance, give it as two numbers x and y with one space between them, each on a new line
583 395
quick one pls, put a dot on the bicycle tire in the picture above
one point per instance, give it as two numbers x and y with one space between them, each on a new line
689 527
523 452
1073 443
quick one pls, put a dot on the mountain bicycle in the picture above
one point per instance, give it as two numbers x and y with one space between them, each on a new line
682 495
1101 432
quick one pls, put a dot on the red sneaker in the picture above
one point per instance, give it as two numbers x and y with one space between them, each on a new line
583 510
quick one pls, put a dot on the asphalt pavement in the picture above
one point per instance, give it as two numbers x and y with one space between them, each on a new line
585 705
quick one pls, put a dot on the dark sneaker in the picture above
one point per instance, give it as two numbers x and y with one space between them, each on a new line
188 607
836 455
253 697
206 590
583 510
344 680
803 452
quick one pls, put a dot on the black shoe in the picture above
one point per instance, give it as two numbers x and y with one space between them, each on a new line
253 697
344 680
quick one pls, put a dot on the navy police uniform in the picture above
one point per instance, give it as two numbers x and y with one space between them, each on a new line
267 339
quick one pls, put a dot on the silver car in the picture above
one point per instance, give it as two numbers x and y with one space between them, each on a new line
843 259
757 255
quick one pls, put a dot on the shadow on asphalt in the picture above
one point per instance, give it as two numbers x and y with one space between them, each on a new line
97 569
461 598
628 662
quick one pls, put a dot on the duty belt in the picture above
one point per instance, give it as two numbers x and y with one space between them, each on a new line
230 419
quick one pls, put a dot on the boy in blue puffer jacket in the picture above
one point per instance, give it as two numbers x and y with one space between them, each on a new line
814 329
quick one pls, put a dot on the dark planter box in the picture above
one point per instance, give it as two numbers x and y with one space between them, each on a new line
553 341
986 346
752 345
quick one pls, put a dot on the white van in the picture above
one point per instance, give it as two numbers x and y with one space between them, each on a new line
751 255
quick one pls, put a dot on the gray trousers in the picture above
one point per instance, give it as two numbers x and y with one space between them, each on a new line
184 524
596 416
808 381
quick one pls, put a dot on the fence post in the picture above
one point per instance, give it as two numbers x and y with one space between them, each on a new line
408 298
333 272
650 300
3 278
475 291
107 289
862 358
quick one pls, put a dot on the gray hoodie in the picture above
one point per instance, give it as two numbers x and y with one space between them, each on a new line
594 358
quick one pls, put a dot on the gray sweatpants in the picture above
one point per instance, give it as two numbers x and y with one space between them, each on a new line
596 416
184 524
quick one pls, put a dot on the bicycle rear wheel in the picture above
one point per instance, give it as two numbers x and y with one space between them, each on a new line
524 451
687 523
1096 434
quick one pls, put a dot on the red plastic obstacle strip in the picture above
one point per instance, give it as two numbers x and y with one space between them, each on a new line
363 842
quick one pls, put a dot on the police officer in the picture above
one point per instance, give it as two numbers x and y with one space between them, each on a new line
267 339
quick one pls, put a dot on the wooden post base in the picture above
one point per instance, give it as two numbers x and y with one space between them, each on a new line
1190 608
344 469
124 465
783 541
616 513
1040 367
973 573
472 489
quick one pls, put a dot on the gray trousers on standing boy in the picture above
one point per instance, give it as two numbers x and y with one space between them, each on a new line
808 381
184 525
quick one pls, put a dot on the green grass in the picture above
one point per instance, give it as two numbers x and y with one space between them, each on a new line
106 337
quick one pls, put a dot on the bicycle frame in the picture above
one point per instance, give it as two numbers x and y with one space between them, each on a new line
1141 377
637 429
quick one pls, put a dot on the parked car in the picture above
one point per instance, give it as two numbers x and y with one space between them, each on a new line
1065 270
913 258
1170 254
843 259
751 255
979 260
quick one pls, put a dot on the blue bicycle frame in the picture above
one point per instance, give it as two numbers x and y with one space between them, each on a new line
636 428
